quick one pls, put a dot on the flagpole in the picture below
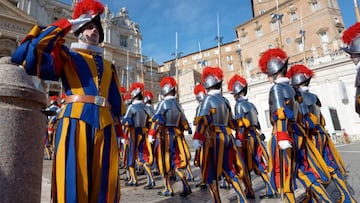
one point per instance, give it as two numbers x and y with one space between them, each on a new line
302 32
357 11
278 21
218 38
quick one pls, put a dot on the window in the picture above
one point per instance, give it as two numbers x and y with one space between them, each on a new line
300 45
259 33
249 66
293 17
206 54
231 67
229 58
227 49
262 12
315 6
274 25
324 37
123 41
244 39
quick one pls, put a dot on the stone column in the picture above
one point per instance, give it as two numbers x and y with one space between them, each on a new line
22 126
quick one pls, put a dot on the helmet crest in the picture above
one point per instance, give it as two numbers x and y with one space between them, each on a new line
212 76
90 7
299 68
271 54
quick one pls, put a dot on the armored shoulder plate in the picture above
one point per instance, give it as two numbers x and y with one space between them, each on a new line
245 109
311 103
222 111
149 110
281 95
357 79
136 112
171 112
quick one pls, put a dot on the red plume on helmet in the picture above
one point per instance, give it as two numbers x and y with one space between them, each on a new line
299 68
268 55
149 94
62 98
168 80
90 7
53 99
199 88
137 85
234 79
214 71
127 96
123 89
352 32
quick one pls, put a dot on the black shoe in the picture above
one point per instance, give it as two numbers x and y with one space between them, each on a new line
130 184
250 196
201 185
266 196
149 186
140 172
186 193
165 194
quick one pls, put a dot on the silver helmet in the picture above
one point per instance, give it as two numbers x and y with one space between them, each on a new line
212 76
136 89
237 84
275 65
299 74
167 85
354 47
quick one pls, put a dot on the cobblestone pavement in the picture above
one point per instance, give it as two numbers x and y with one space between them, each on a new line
349 152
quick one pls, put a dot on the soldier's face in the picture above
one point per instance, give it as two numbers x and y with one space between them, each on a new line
91 33
355 58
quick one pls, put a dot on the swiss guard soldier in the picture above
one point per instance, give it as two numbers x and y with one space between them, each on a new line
313 122
291 154
135 127
351 37
214 133
166 128
148 98
200 93
85 166
248 134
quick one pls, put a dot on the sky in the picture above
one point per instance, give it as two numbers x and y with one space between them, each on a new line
191 25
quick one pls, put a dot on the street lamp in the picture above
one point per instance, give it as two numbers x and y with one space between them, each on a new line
278 17
219 39
241 71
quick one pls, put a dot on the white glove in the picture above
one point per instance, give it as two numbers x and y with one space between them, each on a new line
197 144
284 144
151 139
79 22
238 143
123 141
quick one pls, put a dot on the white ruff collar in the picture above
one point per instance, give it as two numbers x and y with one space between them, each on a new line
87 48
169 97
137 102
282 80
304 89
214 92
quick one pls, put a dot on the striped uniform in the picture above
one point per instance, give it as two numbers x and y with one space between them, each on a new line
86 154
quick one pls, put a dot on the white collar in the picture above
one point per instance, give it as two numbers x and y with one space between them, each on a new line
304 89
87 48
169 97
282 80
214 92
242 98
137 102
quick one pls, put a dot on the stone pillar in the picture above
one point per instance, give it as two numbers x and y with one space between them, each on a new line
22 126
